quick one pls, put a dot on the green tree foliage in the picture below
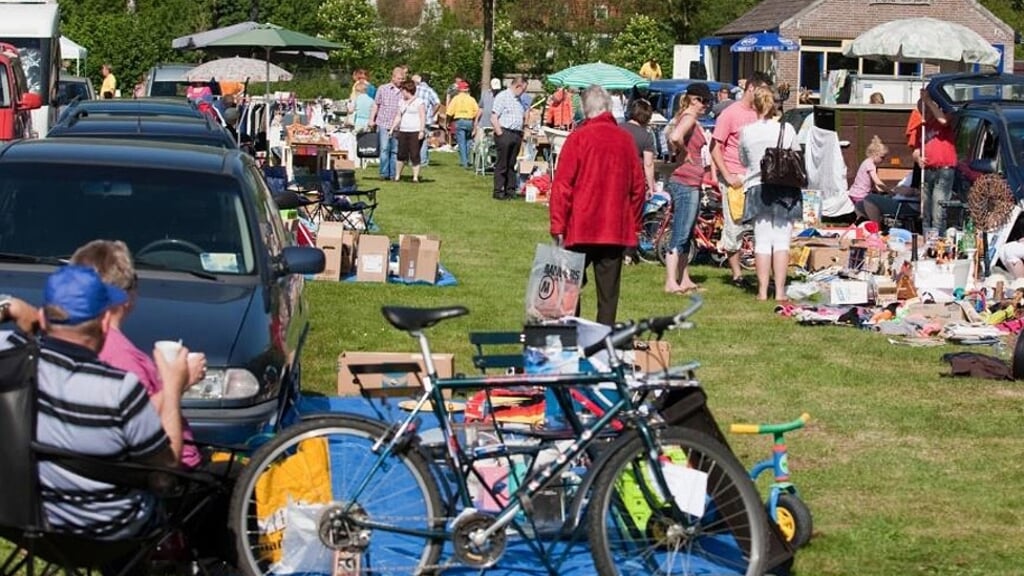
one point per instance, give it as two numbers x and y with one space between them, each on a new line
300 15
355 25
444 49
227 12
643 38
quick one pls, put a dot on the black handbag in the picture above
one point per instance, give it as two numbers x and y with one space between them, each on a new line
368 145
783 166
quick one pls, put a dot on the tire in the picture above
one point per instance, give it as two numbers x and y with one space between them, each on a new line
661 245
402 493
747 250
628 525
649 227
794 520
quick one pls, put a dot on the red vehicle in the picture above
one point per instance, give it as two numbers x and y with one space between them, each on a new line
16 102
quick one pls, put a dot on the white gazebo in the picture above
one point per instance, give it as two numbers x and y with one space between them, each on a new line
71 50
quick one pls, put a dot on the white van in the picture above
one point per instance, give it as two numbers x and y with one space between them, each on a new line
33 27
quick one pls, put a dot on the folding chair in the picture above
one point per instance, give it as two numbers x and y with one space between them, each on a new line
23 520
485 152
339 200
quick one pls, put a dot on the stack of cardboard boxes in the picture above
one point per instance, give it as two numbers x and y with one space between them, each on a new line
369 255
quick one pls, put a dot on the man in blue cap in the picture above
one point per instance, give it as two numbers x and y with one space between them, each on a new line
90 408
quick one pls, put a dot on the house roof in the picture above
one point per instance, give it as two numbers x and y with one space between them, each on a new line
768 15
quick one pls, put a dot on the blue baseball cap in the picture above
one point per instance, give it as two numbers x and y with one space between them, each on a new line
80 292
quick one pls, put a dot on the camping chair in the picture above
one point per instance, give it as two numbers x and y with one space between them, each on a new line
485 152
556 139
340 200
276 178
23 520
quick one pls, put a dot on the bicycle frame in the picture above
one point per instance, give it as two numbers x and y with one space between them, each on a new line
539 478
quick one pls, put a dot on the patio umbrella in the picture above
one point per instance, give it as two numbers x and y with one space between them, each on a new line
764 42
272 39
238 69
202 40
605 75
923 40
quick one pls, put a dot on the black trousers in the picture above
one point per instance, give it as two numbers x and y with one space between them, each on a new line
505 178
607 264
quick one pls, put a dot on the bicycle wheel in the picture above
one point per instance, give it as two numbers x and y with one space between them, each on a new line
794 520
747 250
650 225
717 524
292 506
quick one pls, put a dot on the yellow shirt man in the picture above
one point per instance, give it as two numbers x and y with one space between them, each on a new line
463 106
109 82
651 70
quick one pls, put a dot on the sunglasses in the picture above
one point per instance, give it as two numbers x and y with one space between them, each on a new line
700 99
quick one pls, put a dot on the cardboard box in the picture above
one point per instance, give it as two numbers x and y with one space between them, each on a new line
823 257
418 257
845 292
652 355
393 371
529 166
533 194
372 263
338 245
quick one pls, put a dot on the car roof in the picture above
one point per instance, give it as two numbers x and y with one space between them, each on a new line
124 153
161 128
955 90
78 79
676 84
137 107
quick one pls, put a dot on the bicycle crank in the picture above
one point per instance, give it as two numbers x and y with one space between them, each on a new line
339 529
472 548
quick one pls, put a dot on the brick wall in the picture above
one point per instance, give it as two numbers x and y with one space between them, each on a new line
846 19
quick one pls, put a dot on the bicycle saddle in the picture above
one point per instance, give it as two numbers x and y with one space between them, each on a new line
410 319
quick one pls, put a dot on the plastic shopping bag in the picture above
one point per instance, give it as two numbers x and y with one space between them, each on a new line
555 281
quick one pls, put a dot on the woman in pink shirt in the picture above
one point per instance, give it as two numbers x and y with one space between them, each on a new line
867 181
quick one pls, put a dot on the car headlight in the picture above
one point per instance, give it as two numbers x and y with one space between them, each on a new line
224 384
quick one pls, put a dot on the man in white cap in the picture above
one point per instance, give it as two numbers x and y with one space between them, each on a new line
486 103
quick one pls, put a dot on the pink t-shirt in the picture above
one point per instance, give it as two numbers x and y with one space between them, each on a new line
862 182
120 353
727 134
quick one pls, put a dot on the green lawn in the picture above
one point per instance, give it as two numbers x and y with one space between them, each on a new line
906 472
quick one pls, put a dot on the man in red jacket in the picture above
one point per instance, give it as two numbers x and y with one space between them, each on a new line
597 196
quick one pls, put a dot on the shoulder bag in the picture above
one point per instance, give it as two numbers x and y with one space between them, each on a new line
783 166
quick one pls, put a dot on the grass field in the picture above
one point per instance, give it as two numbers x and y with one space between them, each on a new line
906 472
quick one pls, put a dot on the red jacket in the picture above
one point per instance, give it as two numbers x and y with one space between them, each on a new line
599 186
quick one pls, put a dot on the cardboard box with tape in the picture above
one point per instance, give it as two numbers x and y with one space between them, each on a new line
374 253
418 257
390 373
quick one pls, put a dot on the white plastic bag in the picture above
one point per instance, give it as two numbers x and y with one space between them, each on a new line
555 281
302 551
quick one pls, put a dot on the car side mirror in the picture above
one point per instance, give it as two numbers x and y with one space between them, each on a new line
301 260
30 101
983 165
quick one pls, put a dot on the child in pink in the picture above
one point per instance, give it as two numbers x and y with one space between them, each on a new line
867 181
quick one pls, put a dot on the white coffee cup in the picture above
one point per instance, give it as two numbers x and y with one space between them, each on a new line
169 348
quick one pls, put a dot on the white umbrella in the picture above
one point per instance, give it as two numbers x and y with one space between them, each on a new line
238 69
923 40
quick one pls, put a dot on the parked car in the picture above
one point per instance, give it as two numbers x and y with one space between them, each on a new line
16 102
988 115
168 79
203 131
136 107
74 89
216 266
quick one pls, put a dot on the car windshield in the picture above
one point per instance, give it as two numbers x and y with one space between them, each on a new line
974 89
68 91
168 88
169 219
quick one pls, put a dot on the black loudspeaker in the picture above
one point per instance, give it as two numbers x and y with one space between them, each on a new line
698 71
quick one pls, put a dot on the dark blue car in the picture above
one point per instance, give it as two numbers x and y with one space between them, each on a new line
665 96
216 266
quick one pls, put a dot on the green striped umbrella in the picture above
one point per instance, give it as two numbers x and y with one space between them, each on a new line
605 75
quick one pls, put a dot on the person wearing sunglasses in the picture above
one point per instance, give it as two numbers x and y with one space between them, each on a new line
689 144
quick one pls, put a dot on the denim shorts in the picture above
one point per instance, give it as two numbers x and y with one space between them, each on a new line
685 203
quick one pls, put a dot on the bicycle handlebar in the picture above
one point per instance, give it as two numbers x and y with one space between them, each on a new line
771 428
624 335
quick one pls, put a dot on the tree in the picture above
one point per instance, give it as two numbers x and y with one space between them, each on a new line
643 38
355 25
300 15
444 49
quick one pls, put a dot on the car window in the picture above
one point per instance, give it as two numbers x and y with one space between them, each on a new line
168 218
70 91
1016 135
271 227
168 88
5 87
988 145
966 135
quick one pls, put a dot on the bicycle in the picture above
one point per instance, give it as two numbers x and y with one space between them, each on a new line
657 498
785 507
656 233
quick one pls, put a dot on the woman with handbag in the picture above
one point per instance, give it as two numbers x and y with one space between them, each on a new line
688 138
774 199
